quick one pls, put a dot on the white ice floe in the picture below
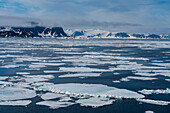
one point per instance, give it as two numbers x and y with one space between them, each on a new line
11 51
35 66
15 103
3 78
22 73
52 71
114 57
149 111
37 78
146 74
95 102
80 75
167 80
65 99
15 93
40 76
116 81
158 91
48 64
48 96
137 78
96 90
116 73
55 104
162 64
5 83
156 102
10 66
82 69
27 59
124 79
22 84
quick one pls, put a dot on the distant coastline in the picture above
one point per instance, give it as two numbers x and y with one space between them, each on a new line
59 33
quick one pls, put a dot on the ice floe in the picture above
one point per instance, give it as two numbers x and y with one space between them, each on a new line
48 71
137 78
80 75
15 103
48 96
65 99
48 64
40 76
158 91
82 69
149 111
96 90
116 81
37 78
162 64
3 78
167 80
22 73
5 83
16 93
55 104
146 74
156 102
95 102
10 66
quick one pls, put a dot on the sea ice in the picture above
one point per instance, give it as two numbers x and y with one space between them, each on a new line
15 93
40 76
55 104
5 83
10 66
158 91
167 80
48 64
49 96
65 99
22 73
138 78
82 69
3 78
156 102
51 71
149 111
80 75
95 102
116 81
145 73
15 103
96 90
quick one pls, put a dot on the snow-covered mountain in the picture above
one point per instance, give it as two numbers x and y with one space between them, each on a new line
58 32
37 31
90 33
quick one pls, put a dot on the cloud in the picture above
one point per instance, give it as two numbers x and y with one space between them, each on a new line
87 23
119 14
17 21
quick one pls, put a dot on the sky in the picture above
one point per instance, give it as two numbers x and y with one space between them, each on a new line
133 16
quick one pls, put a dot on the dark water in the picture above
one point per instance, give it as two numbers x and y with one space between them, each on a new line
143 52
